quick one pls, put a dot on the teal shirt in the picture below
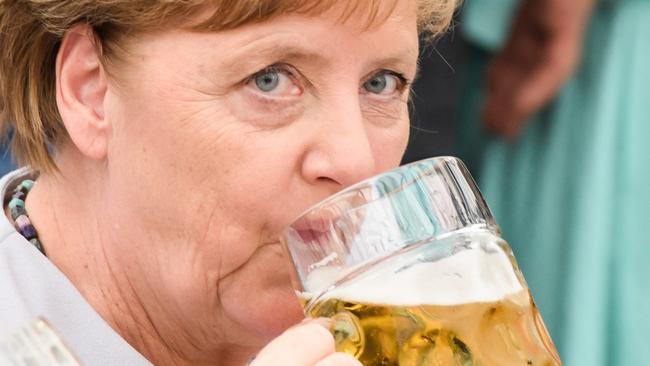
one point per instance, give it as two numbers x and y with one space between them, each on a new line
487 22
572 194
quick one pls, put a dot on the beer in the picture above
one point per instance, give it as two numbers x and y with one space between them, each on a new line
469 309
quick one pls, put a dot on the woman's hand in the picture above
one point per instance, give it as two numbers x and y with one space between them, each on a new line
543 49
307 344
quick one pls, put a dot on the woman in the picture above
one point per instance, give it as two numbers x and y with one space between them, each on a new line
568 89
170 142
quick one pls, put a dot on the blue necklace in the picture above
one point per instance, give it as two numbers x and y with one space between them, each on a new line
18 213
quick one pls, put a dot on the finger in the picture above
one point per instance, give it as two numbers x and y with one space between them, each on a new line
540 86
548 76
499 112
502 114
504 77
304 344
530 87
339 359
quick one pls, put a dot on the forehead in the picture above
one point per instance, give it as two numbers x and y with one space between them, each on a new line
227 14
379 25
210 16
337 36
372 19
327 39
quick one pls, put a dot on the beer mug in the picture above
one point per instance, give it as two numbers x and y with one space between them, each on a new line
412 270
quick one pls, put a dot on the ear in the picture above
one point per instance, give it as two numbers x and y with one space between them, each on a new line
81 91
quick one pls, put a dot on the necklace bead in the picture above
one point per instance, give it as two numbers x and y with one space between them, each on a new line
19 214
17 211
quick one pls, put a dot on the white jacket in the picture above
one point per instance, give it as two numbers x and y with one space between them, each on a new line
31 286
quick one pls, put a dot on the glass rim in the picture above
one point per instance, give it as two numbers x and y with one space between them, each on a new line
367 181
416 202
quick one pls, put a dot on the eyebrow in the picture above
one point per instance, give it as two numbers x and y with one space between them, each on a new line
259 54
396 60
265 51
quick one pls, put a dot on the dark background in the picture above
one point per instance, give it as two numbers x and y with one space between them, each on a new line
435 98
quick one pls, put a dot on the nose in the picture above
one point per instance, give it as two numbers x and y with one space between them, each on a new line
341 153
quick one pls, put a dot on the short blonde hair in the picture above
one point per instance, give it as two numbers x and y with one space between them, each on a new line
31 32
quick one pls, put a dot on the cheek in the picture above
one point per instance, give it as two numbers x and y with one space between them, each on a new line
264 113
389 142
189 160
217 162
214 188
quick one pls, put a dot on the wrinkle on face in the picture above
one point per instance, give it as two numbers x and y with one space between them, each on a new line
221 168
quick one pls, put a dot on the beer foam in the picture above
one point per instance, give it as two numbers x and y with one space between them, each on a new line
469 276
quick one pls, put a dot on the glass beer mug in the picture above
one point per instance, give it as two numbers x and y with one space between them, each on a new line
412 270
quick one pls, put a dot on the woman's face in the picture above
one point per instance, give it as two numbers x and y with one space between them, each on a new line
220 140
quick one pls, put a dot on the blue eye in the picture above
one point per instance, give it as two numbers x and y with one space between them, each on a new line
275 81
383 83
267 81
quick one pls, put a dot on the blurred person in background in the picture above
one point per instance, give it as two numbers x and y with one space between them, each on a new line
555 121
6 162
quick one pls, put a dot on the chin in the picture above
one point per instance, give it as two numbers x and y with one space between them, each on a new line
279 313
264 312
261 298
